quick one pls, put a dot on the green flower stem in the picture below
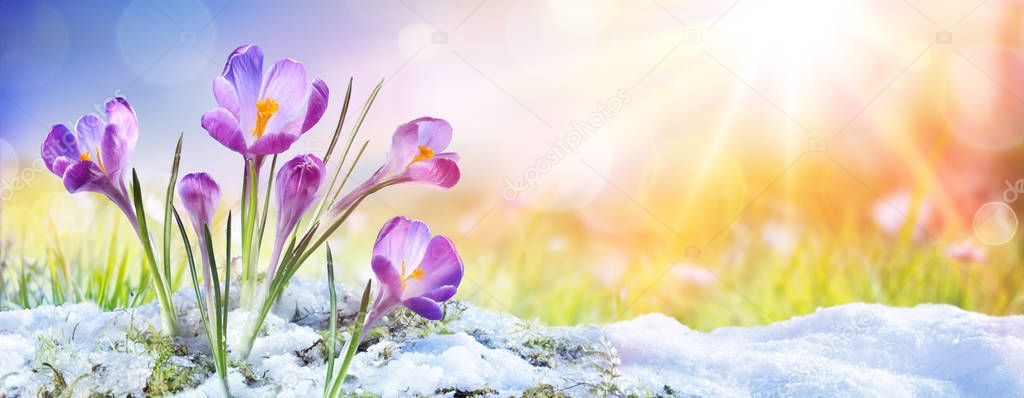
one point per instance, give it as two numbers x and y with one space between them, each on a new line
168 317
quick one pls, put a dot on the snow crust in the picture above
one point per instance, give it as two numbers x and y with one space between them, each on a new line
855 350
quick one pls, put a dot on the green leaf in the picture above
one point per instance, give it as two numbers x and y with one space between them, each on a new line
168 202
334 198
266 204
166 306
200 299
333 334
353 343
227 282
341 122
348 145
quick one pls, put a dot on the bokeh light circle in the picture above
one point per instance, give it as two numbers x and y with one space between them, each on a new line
166 43
35 46
995 223
983 97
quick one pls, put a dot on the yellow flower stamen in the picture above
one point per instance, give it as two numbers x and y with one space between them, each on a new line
265 108
425 154
417 275
99 160
87 157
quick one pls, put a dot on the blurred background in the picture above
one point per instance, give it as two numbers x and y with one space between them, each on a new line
728 162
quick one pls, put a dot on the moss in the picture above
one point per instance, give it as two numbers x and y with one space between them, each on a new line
544 351
247 373
405 323
166 377
542 391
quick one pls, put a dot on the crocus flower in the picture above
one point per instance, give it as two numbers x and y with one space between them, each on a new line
966 253
893 213
94 159
414 270
297 184
417 155
199 193
261 115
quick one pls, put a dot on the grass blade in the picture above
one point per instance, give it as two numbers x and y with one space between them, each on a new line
170 318
168 202
266 204
334 198
353 343
227 280
341 122
333 334
200 300
348 145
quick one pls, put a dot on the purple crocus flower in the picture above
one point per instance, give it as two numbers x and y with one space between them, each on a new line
413 269
199 193
417 155
297 184
94 159
261 115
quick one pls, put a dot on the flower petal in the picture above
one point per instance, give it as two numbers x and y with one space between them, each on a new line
442 293
448 155
424 307
225 94
404 148
272 144
297 184
199 194
403 240
387 275
438 171
121 114
433 133
316 106
61 164
60 142
287 85
441 267
85 176
90 132
115 150
244 70
223 127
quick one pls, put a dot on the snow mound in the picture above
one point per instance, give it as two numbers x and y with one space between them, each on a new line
855 350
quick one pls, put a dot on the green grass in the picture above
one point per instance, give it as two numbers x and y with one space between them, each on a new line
513 267
110 275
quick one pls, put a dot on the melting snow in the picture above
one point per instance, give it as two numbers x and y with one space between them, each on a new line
854 350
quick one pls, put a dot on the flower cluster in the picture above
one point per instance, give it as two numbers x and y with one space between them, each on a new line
259 116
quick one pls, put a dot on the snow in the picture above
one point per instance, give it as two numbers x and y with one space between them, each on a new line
854 350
